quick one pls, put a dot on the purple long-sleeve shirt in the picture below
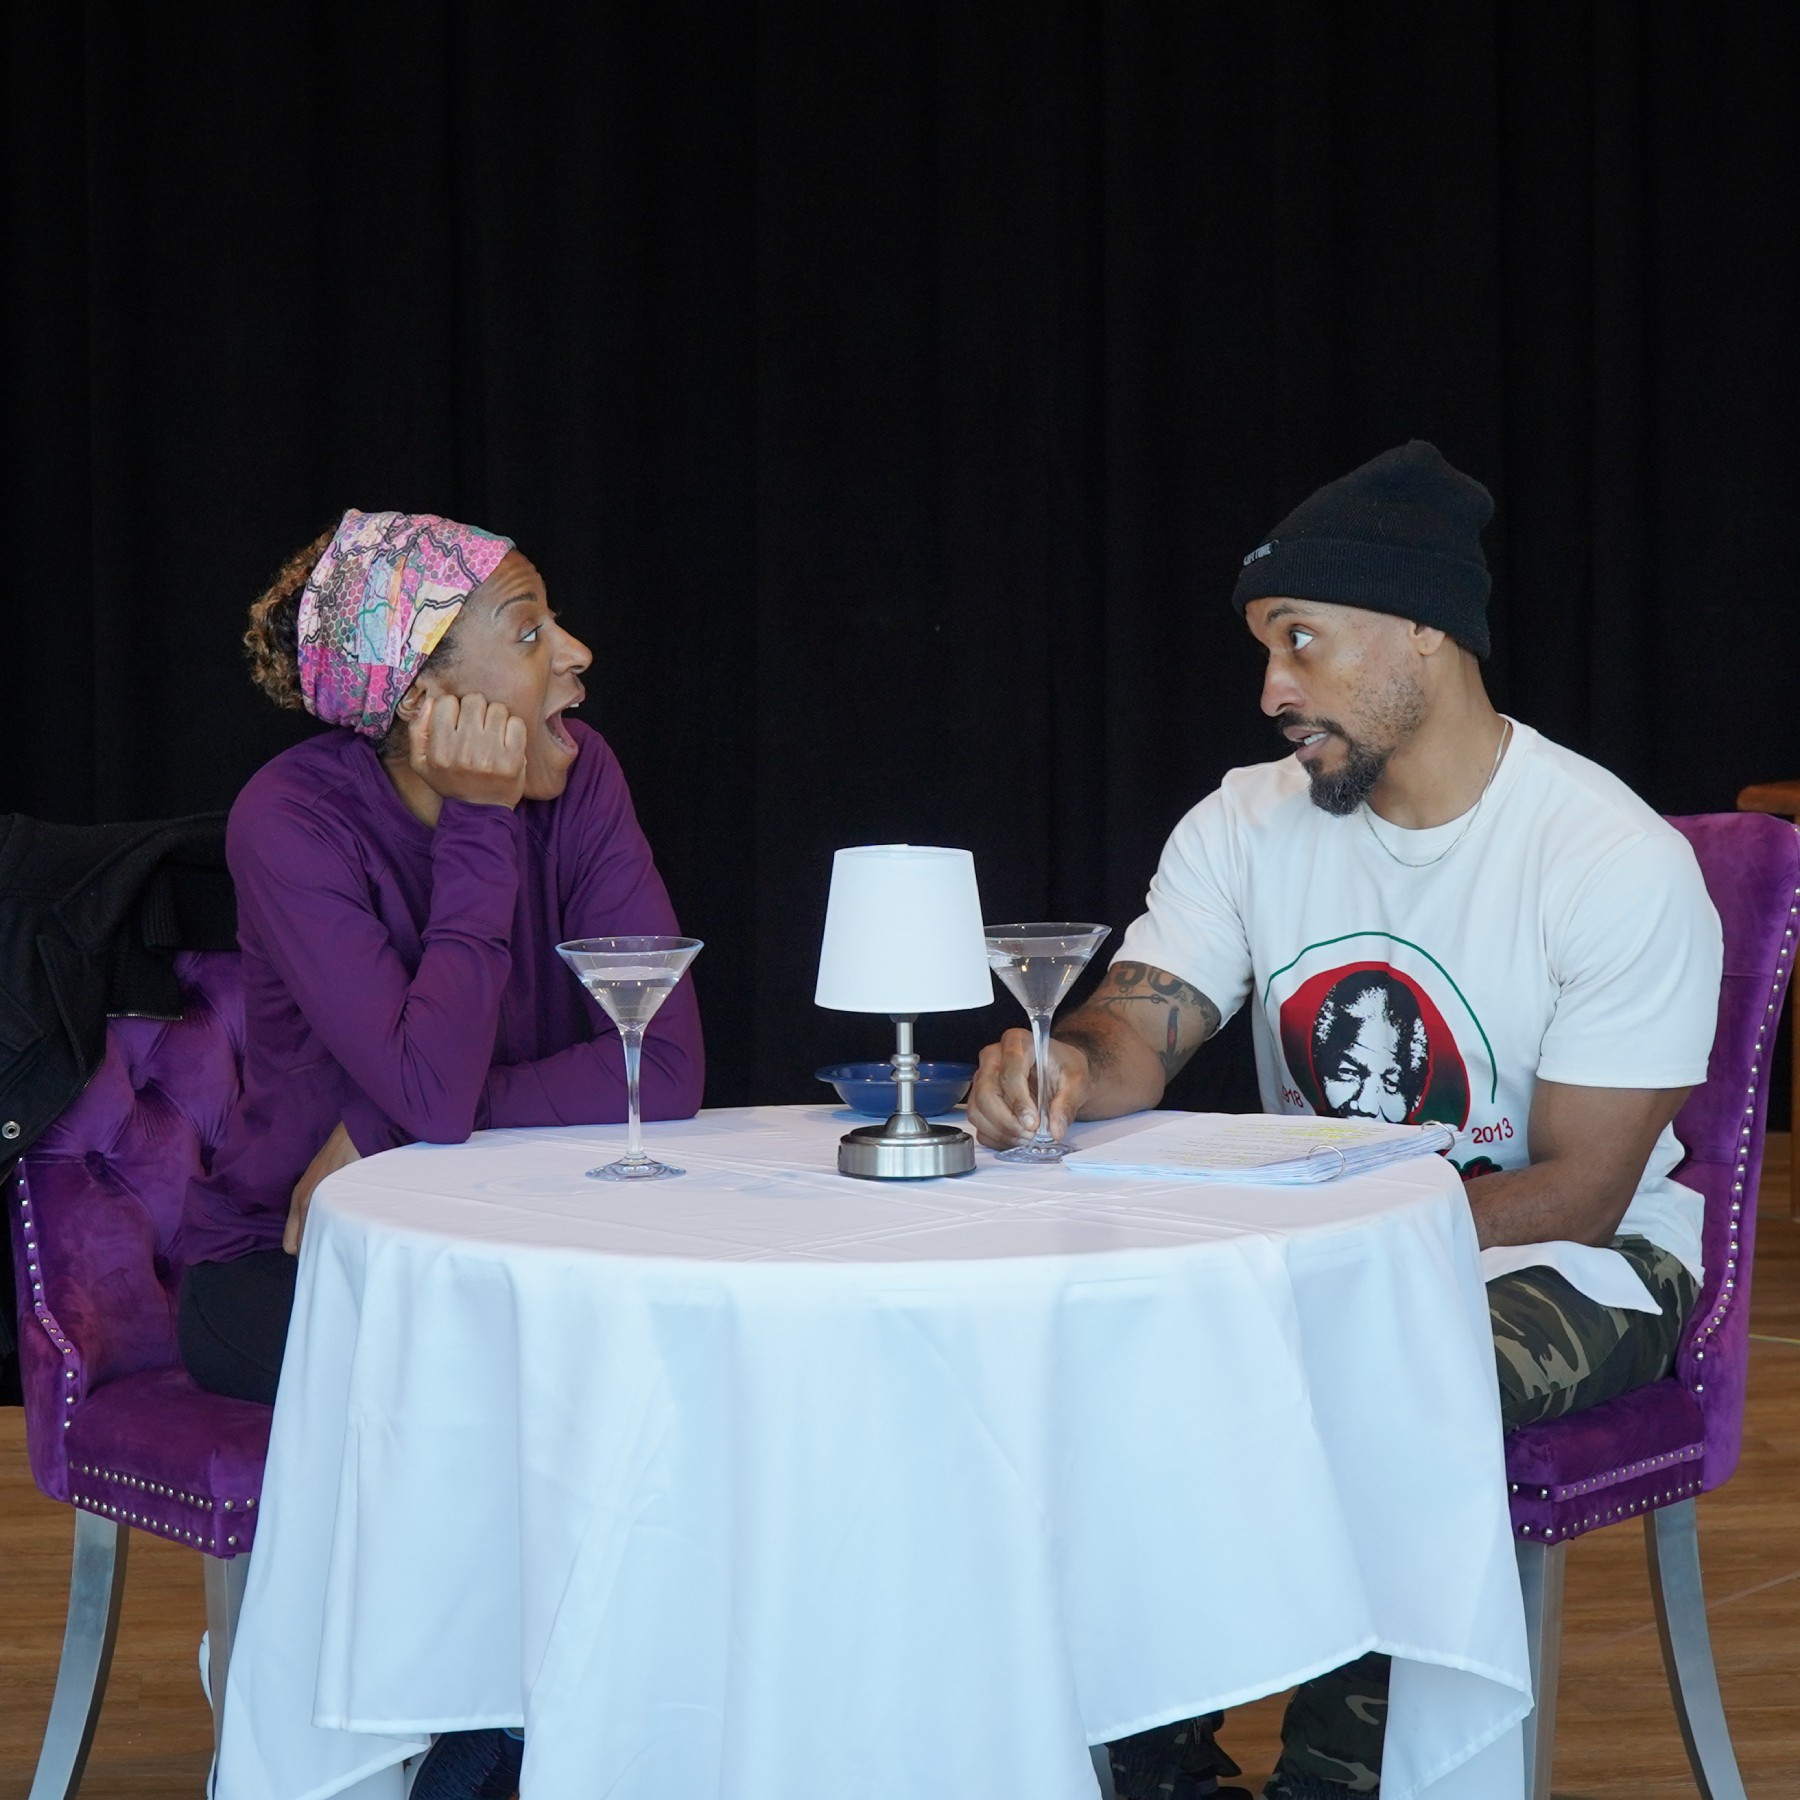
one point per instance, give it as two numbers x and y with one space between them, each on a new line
406 981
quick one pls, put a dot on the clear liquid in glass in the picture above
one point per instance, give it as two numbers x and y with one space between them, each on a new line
631 996
1038 983
1039 963
630 978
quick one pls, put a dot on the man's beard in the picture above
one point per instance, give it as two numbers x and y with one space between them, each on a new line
1341 791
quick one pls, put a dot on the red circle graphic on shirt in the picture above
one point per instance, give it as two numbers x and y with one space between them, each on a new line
1363 1041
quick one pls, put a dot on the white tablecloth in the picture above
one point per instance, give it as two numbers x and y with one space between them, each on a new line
766 1484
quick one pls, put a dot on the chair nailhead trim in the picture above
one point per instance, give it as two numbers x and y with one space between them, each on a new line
200 1540
1688 1453
1708 1328
1648 1503
44 1316
200 1501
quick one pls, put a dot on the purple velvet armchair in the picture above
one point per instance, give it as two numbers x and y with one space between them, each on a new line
1652 1452
114 1424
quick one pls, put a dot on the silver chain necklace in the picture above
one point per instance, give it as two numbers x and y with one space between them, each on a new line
1505 739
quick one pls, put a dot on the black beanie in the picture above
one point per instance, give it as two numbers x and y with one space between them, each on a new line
1402 535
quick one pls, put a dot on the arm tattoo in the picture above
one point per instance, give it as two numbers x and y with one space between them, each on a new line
1135 984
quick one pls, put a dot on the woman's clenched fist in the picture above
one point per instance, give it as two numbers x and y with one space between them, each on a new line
469 748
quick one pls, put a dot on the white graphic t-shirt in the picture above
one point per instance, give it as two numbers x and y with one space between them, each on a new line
1569 936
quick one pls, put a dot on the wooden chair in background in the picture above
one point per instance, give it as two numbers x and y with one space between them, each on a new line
1783 799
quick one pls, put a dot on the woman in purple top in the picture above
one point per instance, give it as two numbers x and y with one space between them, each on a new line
402 884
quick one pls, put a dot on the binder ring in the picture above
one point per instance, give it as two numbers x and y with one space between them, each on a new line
1329 1150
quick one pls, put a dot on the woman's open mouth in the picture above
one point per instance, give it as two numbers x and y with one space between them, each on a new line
560 735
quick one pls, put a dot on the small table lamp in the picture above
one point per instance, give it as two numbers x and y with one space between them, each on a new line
903 936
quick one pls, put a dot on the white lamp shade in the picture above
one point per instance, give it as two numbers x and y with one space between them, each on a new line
903 932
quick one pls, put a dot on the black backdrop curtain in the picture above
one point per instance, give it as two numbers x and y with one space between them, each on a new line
888 392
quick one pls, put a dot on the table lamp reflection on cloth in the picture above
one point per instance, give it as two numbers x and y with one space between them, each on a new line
903 936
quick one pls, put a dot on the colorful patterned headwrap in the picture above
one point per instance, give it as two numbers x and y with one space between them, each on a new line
377 604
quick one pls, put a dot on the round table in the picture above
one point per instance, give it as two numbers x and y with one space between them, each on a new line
767 1484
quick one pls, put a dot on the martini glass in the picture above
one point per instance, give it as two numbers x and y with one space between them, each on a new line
1039 963
631 977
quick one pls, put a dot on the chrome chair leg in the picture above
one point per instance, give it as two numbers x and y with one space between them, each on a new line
1103 1771
1541 1583
1672 1542
225 1579
96 1585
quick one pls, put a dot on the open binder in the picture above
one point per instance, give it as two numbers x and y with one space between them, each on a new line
1262 1148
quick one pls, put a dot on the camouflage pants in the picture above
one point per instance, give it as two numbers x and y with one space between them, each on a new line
1557 1352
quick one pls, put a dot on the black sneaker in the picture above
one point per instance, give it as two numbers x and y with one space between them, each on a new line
1174 1762
470 1765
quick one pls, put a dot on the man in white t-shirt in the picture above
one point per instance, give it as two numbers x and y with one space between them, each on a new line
1435 914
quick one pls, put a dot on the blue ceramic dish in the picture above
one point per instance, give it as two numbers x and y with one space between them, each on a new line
868 1087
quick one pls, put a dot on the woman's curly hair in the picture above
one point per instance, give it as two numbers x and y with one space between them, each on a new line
272 642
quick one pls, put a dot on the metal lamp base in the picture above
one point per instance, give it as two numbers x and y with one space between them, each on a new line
907 1147
884 1153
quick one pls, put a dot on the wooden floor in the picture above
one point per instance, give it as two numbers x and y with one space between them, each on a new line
1616 1737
